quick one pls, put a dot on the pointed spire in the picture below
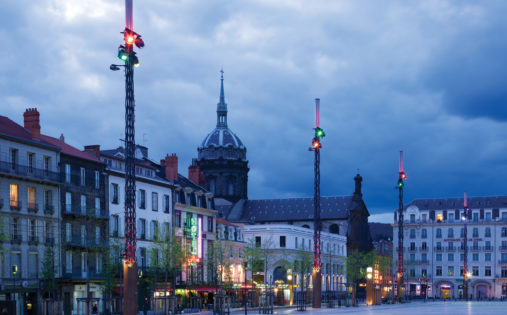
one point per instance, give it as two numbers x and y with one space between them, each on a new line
222 97
222 106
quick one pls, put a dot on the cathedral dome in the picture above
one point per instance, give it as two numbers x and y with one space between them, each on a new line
222 137
222 142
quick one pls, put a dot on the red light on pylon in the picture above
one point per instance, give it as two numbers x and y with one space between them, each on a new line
403 175
130 39
316 144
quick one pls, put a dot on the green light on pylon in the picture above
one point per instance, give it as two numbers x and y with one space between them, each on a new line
319 133
122 54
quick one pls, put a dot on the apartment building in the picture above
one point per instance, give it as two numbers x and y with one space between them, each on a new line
29 215
434 249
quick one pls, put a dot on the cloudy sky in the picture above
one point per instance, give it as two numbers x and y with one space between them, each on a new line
426 77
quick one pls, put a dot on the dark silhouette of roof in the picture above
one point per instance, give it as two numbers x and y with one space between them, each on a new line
457 203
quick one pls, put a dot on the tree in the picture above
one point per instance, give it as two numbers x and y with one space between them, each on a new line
218 262
167 255
48 271
4 236
303 266
112 267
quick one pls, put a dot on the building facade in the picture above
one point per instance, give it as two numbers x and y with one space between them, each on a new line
29 194
284 245
434 249
84 225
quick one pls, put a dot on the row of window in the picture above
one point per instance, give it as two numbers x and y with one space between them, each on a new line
141 199
451 256
80 236
36 231
82 176
84 207
475 245
450 232
301 244
77 262
207 221
141 228
30 159
475 271
16 262
452 216
31 197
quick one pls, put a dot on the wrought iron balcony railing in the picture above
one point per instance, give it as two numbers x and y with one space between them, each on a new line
33 207
15 205
28 171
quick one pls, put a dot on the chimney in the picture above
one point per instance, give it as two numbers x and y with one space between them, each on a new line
62 138
93 150
171 167
32 122
193 174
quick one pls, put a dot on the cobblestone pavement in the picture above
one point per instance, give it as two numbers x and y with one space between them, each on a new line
414 308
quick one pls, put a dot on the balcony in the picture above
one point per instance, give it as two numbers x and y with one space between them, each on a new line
142 237
475 248
1 202
76 210
412 249
18 170
49 241
438 249
423 249
488 248
79 274
49 209
16 239
503 247
75 241
115 234
15 205
450 249
503 261
33 207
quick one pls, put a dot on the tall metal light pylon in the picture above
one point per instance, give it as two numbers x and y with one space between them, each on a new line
399 186
465 247
127 54
317 226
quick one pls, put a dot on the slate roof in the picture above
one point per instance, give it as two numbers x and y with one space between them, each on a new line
222 137
457 203
112 154
69 150
13 129
296 209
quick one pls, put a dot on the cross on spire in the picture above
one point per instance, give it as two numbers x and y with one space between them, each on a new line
222 106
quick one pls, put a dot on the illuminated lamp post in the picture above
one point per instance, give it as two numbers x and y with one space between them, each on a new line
317 263
369 286
465 247
127 54
245 265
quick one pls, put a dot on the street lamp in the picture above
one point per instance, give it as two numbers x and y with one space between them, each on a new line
369 286
465 248
14 272
245 263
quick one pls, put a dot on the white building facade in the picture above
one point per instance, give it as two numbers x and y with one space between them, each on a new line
289 243
434 249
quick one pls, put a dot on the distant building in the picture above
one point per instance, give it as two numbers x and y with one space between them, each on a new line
286 245
434 249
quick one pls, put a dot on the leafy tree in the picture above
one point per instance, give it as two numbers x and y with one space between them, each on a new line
303 266
4 236
218 263
167 255
112 266
48 271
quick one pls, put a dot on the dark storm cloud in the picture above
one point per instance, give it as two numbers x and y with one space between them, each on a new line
427 77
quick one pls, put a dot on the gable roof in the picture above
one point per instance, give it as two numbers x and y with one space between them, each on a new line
296 209
457 203
69 150
13 129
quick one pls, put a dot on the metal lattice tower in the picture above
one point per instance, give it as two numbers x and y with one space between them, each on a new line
130 168
317 224
465 248
400 277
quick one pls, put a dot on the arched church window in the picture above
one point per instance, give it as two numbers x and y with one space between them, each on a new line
212 185
231 188
334 228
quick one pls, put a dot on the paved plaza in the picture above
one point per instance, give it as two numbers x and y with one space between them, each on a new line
414 308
